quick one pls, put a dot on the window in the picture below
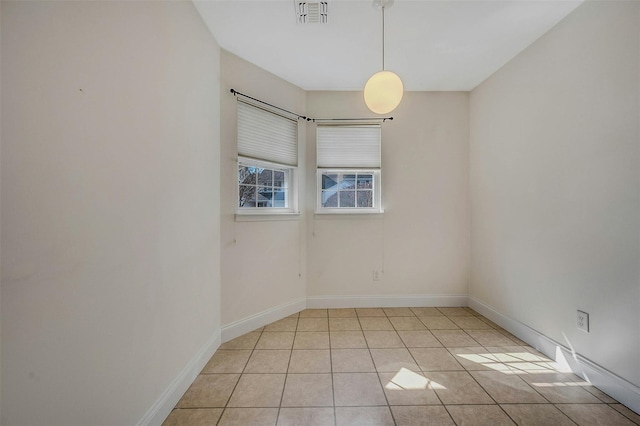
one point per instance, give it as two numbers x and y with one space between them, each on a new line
348 173
267 161
262 187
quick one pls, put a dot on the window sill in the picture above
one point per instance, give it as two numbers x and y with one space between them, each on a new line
349 214
265 216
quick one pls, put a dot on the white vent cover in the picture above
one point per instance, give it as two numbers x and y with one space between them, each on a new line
311 12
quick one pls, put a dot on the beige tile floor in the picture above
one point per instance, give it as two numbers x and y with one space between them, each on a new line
386 366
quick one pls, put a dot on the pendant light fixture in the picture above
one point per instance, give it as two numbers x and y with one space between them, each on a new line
383 91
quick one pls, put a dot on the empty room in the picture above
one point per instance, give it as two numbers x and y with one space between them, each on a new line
347 212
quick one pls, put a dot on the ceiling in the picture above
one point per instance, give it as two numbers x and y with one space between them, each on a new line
431 45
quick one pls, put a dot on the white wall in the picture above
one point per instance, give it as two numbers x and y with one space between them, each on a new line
422 239
110 206
263 264
555 185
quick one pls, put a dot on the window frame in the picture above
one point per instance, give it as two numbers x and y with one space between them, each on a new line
291 173
377 193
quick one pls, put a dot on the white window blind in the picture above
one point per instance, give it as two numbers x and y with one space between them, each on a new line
264 135
348 146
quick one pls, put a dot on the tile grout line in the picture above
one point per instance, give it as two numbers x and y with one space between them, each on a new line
286 374
240 376
378 374
333 388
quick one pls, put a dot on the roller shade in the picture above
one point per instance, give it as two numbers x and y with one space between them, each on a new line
263 135
348 146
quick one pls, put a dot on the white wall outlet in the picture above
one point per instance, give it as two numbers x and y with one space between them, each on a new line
583 321
377 275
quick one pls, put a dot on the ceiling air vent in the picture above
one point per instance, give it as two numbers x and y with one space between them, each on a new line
311 12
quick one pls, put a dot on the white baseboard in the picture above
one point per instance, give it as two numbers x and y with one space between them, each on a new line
613 385
170 397
245 325
386 301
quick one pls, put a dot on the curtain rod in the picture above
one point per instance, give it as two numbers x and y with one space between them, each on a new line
383 119
236 93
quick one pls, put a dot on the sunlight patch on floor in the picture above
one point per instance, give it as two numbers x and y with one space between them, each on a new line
408 380
518 362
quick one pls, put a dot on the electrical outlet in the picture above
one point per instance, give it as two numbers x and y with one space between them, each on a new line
583 321
377 275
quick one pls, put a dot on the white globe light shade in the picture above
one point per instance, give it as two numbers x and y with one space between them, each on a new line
383 92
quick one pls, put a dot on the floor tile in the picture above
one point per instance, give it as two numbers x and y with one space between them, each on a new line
457 387
313 324
351 361
479 415
342 313
268 361
370 312
560 388
514 338
209 390
357 389
407 323
248 416
246 341
454 338
347 339
314 313
435 359
519 360
507 389
439 323
631 415
375 323
393 359
311 340
600 395
477 358
516 354
398 312
537 415
364 416
470 323
285 324
344 324
594 414
193 417
421 416
452 312
426 312
383 339
419 339
227 361
490 338
406 387
306 417
258 390
275 340
310 361
308 390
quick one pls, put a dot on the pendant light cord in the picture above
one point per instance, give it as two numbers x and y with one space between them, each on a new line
383 37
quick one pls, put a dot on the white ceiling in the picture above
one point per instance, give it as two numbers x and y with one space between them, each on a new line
431 45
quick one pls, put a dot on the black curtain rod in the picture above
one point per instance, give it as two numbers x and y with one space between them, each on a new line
236 93
352 119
